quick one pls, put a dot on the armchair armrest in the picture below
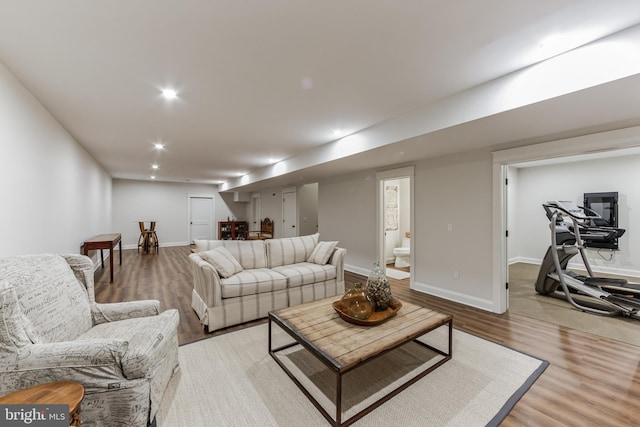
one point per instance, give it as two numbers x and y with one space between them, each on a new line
102 313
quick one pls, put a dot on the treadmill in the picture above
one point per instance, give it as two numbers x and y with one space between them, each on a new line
571 233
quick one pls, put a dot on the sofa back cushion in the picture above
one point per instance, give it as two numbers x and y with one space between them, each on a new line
290 250
249 253
49 295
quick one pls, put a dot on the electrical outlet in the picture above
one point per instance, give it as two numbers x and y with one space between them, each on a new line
450 227
456 274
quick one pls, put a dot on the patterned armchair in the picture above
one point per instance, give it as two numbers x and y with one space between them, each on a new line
51 329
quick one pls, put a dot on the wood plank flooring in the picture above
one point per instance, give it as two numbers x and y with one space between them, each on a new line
591 380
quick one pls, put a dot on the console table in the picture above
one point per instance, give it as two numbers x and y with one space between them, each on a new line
105 241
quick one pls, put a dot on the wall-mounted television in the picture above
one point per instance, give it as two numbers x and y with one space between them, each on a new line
606 205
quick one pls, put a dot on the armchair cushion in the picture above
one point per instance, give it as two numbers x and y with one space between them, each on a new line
223 261
50 296
322 252
144 335
103 353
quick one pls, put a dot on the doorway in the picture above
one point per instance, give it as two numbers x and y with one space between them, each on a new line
201 214
395 223
504 192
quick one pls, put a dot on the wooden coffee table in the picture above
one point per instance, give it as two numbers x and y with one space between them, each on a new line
318 328
63 393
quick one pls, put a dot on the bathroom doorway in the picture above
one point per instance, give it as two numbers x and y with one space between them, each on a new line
395 223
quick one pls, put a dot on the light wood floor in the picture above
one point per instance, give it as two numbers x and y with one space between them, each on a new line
591 380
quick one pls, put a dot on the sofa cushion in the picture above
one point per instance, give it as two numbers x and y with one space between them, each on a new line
290 250
147 338
222 260
249 253
13 335
322 252
250 282
50 296
305 273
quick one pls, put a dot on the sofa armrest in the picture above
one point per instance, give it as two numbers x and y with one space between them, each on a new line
206 281
337 259
112 312
105 355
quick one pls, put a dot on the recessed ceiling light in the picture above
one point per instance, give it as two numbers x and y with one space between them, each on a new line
153 177
337 132
158 146
154 166
169 94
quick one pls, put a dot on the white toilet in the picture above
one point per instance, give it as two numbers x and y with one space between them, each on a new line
403 254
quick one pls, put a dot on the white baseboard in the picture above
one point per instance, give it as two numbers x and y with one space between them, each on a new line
480 303
436 291
162 245
357 270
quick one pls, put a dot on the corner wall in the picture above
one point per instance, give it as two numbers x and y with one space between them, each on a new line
54 194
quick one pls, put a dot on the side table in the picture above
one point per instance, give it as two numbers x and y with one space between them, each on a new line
56 393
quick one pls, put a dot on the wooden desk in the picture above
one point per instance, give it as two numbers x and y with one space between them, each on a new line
56 393
105 241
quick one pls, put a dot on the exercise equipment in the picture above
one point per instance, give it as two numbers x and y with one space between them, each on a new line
571 233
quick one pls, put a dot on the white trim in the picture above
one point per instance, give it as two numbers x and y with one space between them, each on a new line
593 143
162 245
465 299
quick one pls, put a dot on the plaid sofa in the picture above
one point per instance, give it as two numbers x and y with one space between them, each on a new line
52 329
248 278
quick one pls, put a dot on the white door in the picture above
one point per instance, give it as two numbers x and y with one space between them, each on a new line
289 214
200 218
255 213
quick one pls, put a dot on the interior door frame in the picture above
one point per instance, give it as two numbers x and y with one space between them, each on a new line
381 177
213 214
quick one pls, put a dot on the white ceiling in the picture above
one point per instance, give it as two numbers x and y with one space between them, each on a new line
272 79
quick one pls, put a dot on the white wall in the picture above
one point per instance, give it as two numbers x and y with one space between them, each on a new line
454 190
167 203
347 213
307 199
54 194
569 181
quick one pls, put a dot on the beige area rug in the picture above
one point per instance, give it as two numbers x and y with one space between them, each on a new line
524 300
231 380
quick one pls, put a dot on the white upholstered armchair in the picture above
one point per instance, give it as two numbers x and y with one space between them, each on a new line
51 329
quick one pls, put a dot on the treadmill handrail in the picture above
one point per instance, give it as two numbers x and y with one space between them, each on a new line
572 213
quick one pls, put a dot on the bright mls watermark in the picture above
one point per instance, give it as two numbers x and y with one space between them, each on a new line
34 415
